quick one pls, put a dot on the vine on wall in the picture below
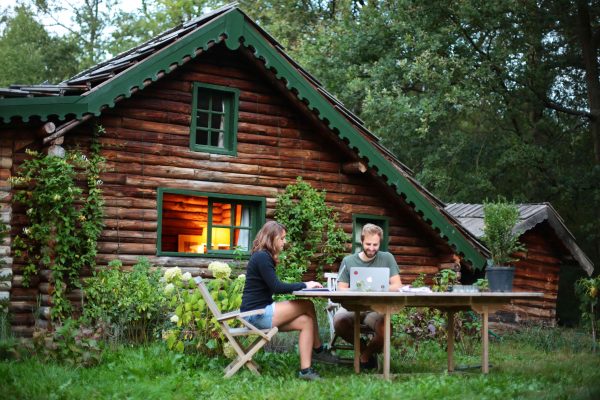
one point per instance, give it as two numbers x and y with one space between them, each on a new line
312 232
64 217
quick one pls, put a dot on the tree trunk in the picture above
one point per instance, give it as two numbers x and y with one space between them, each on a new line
590 61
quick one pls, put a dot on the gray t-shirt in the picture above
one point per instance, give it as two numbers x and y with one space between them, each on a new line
382 259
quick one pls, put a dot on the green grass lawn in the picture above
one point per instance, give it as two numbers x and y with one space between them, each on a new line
552 364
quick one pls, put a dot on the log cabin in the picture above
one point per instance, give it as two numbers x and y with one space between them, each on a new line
550 249
205 124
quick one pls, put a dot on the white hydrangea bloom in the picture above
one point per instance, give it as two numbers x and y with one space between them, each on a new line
174 319
171 273
169 288
187 276
220 270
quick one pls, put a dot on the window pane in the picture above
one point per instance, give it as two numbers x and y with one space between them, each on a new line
203 99
184 223
202 137
221 239
217 139
221 213
217 121
218 101
241 239
242 215
202 120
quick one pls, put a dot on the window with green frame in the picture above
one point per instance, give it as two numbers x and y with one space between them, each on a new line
360 220
196 223
214 119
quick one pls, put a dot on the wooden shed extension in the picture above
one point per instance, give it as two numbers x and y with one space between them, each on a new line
550 246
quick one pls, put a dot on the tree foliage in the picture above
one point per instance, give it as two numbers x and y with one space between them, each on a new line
30 55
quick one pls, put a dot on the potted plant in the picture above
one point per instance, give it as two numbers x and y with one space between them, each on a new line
499 220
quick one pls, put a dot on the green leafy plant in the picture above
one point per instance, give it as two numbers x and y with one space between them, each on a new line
63 221
312 233
482 284
192 325
444 279
70 343
419 281
499 220
588 291
131 303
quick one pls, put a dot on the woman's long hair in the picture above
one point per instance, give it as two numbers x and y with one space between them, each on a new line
265 238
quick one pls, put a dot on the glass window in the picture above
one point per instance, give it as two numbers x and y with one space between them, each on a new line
358 221
193 223
214 122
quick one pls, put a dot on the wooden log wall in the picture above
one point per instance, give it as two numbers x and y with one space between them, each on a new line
6 161
538 270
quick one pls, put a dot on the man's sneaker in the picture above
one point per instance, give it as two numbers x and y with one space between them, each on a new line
325 357
371 363
309 375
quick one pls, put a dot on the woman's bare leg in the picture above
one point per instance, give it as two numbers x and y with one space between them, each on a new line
299 315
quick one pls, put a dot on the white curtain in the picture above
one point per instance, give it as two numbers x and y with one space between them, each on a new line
244 235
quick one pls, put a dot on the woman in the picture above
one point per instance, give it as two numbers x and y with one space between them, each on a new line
293 315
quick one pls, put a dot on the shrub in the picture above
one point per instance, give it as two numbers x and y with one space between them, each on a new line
192 324
588 291
70 343
312 233
499 219
132 303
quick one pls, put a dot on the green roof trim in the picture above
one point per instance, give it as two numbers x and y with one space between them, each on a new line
239 29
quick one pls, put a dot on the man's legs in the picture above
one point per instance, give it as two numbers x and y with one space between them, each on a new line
343 323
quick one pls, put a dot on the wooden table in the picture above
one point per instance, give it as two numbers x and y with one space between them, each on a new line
388 303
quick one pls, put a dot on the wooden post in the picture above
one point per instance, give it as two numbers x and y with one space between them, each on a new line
357 341
485 368
386 343
450 341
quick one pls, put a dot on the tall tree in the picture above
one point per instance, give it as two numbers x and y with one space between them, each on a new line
29 54
90 21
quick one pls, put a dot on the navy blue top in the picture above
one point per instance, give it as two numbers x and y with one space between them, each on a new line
262 282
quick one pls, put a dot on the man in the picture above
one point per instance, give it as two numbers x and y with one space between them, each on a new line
343 321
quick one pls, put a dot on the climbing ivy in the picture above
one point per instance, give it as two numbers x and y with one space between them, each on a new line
63 220
312 232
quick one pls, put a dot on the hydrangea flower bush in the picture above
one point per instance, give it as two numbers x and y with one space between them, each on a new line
191 324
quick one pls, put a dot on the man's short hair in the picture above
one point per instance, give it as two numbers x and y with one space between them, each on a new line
371 229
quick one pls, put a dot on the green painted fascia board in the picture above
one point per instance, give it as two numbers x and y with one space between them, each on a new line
41 106
342 127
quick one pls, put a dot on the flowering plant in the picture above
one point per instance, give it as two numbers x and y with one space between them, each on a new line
191 323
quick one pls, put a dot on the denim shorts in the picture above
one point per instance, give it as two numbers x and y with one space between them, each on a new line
263 321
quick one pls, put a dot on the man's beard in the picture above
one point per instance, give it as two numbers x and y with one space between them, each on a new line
369 254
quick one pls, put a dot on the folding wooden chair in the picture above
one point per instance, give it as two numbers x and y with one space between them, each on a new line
244 354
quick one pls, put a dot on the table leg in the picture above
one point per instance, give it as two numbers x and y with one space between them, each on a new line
387 344
485 368
450 341
357 342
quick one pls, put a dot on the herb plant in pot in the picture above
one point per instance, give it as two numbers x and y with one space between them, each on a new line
499 220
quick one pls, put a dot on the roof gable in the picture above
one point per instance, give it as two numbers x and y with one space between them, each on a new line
231 25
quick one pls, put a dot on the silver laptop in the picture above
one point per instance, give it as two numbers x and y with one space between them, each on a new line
365 279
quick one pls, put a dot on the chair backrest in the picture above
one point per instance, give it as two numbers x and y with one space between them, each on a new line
332 278
208 299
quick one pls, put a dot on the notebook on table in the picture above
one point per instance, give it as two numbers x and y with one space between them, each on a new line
364 279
